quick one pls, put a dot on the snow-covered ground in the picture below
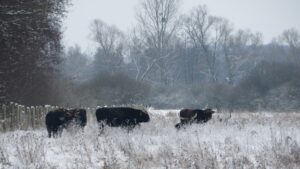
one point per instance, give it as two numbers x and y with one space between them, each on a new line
246 140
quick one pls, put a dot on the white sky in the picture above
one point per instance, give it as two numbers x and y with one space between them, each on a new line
270 17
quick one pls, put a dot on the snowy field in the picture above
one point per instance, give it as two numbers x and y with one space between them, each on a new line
256 140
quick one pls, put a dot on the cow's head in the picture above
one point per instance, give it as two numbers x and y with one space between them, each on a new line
209 111
69 114
144 116
77 113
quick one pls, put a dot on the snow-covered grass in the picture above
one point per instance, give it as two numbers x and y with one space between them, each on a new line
246 140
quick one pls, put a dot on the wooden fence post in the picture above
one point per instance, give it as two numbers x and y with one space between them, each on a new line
94 115
32 111
37 117
22 117
18 118
88 112
1 113
10 111
5 117
28 119
41 115
2 117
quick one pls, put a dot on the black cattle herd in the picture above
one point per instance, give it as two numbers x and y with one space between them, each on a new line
125 117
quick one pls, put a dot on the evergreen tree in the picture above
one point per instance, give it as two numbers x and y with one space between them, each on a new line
30 47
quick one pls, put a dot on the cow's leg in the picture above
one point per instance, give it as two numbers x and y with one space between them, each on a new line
130 127
49 132
130 124
82 129
59 131
82 124
182 120
201 121
178 126
101 127
54 131
138 124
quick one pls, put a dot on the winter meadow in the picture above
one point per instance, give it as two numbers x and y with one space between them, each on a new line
242 140
240 59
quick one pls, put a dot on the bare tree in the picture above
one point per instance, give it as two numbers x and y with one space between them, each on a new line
207 33
242 45
291 37
137 55
75 63
111 41
157 23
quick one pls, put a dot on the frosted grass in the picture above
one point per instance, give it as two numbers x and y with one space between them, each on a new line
246 140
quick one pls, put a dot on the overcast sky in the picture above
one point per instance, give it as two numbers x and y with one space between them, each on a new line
270 17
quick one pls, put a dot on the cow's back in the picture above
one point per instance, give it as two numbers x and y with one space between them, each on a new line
121 113
119 116
203 115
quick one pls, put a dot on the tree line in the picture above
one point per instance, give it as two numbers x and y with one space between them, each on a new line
190 60
171 60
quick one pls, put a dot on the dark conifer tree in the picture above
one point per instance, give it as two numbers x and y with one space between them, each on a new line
30 48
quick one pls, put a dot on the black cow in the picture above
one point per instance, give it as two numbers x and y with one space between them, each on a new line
79 116
189 116
59 119
121 117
